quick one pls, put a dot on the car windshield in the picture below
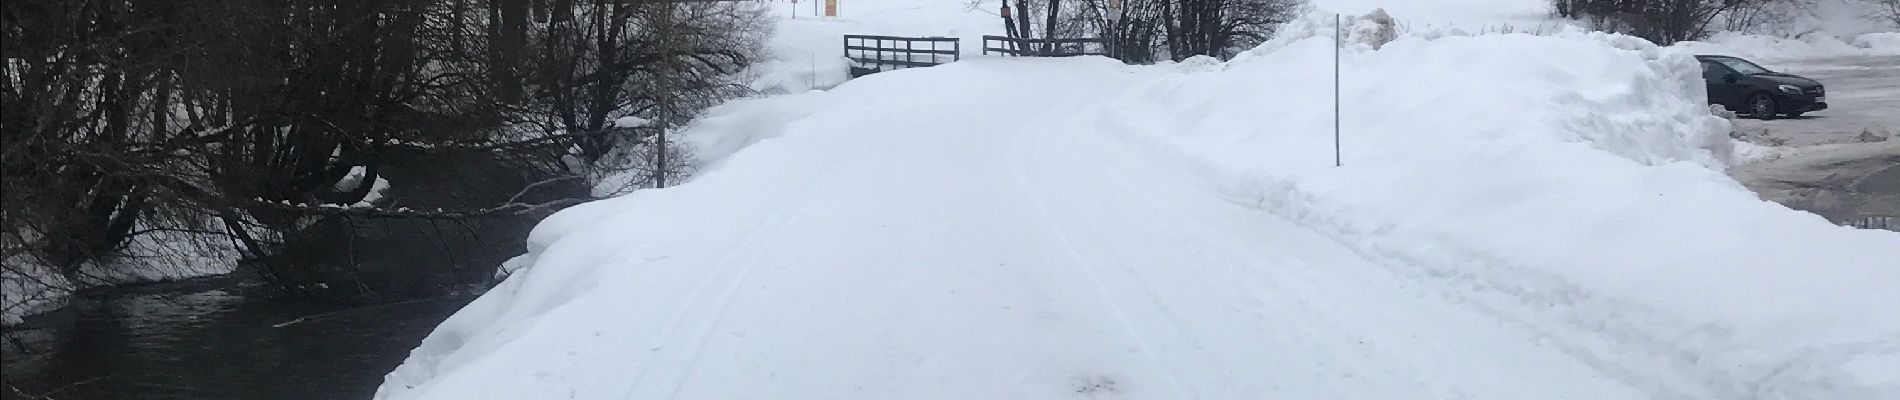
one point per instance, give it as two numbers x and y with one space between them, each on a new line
1742 66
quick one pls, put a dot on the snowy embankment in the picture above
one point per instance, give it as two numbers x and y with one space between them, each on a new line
29 287
1819 46
1572 186
1518 217
1817 29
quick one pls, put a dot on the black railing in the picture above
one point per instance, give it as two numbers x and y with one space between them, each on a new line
873 54
1876 222
1045 47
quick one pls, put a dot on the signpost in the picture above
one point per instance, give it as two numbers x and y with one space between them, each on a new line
1338 42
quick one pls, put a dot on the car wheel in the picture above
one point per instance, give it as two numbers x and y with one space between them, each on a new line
1761 106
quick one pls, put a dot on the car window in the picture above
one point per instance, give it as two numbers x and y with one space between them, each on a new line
1713 71
1742 66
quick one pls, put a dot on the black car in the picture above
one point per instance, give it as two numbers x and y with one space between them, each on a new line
1748 88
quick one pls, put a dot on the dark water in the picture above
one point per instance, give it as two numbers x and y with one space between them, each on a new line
231 338
213 339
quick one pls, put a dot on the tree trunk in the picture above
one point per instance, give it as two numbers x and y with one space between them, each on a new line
1049 26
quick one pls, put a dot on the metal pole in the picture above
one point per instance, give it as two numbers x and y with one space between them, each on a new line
1338 42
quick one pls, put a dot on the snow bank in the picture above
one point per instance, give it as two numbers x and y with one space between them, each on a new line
1773 48
28 287
729 127
1429 15
164 256
1881 42
354 180
1841 18
1568 183
1812 43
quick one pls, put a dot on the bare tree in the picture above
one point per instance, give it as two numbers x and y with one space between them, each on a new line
127 118
1223 28
603 60
1670 21
1147 30
1887 10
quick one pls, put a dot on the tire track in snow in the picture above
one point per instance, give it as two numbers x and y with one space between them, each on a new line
1284 310
745 272
1620 347
1075 258
775 224
1323 316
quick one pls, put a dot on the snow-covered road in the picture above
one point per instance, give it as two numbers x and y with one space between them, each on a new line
1008 251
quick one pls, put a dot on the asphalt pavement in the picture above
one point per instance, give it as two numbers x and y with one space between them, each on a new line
1842 163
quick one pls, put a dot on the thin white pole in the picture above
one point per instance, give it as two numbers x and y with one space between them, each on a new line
1338 42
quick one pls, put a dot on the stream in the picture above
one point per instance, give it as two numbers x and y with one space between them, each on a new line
215 338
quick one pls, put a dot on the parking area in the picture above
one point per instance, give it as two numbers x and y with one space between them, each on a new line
1842 163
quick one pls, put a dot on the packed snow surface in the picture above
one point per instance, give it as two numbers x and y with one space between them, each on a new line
1518 217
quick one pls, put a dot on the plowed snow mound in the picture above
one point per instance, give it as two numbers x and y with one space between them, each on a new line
1571 183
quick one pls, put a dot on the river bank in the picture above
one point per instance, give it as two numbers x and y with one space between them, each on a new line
228 337
343 305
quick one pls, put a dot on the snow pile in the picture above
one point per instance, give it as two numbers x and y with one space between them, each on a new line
1361 30
1763 47
1435 15
354 180
1842 18
631 122
1880 42
1571 184
1374 28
